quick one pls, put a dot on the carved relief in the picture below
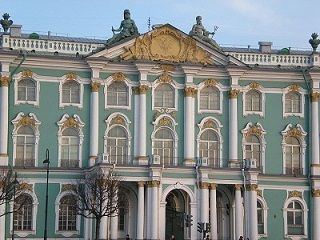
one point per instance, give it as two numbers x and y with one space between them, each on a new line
294 132
251 187
165 78
140 184
161 111
4 81
315 96
294 88
254 85
209 124
71 76
26 121
118 120
210 82
234 93
315 192
167 67
295 194
95 86
213 186
237 187
165 121
27 73
118 76
190 91
166 44
153 183
254 130
204 185
70 122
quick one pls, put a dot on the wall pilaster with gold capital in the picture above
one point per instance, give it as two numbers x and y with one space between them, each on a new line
4 111
315 96
316 213
233 127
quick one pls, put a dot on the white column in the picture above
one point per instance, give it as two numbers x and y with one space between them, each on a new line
316 214
142 124
87 228
140 212
154 186
103 232
213 211
94 122
2 222
233 126
189 113
4 85
114 227
238 212
204 202
194 213
315 129
252 212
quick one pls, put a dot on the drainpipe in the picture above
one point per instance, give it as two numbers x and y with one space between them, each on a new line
23 54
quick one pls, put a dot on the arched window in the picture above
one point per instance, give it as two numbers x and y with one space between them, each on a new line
253 101
71 92
70 148
117 94
67 213
295 218
25 147
209 98
292 102
123 212
209 147
117 145
164 96
253 148
163 146
23 214
260 213
293 156
27 90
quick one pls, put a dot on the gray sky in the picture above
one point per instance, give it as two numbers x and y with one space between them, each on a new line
287 23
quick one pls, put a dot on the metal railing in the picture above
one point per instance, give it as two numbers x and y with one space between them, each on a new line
20 162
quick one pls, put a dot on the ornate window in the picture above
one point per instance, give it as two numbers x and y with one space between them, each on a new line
210 96
25 140
293 146
117 94
67 213
293 101
164 96
71 90
70 138
253 144
262 216
253 99
27 88
117 139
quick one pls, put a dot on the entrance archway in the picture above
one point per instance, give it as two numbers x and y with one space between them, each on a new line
223 216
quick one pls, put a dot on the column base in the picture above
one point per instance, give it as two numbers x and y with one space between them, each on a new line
315 169
92 160
4 159
189 162
234 164
141 160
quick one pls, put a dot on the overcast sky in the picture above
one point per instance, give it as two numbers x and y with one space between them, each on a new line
287 23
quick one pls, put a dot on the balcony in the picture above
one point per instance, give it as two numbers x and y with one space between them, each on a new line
69 163
294 171
24 162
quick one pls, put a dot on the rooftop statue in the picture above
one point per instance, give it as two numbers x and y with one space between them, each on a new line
127 28
314 41
5 22
199 31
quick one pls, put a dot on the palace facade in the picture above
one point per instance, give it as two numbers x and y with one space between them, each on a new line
198 134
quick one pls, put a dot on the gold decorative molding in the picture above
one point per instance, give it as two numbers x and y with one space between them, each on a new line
142 89
4 81
254 85
204 185
294 88
95 86
70 122
165 78
315 192
118 76
251 187
213 186
25 187
27 73
234 93
26 121
153 183
68 187
315 96
210 82
140 184
165 121
190 91
237 187
166 44
118 120
294 132
209 124
295 194
161 111
167 67
71 76
254 130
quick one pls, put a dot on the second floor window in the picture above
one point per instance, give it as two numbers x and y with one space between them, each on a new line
253 149
164 96
27 90
293 156
209 98
23 216
117 94
292 102
209 147
71 92
117 145
25 147
253 101
163 146
70 148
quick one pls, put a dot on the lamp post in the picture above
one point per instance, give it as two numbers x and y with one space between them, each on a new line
46 161
15 183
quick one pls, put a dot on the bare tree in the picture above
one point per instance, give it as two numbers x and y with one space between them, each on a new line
98 197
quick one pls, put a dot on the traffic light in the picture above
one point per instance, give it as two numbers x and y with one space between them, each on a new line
190 220
200 227
208 227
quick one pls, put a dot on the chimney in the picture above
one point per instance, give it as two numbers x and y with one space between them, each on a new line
15 30
265 47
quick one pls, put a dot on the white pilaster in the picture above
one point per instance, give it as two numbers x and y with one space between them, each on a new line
154 185
114 227
87 228
103 232
142 124
316 214
233 127
213 212
315 128
140 212
204 202
4 111
238 212
252 211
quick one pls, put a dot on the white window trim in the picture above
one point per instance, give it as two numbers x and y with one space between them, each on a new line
305 218
18 78
262 140
303 146
220 89
217 130
34 215
36 131
110 125
57 203
265 216
174 86
61 126
172 128
302 100
64 80
129 85
259 89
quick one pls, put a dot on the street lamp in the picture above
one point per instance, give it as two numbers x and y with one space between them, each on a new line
15 184
46 161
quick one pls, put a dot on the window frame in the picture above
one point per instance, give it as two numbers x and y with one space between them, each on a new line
79 81
219 93
301 92
264 210
175 98
16 90
259 90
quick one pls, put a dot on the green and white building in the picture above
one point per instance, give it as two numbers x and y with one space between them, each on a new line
227 135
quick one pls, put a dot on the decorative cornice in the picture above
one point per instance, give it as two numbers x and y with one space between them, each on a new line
251 187
294 88
315 96
70 122
27 73
190 91
26 121
237 187
204 185
68 187
210 82
254 85
153 183
141 183
118 76
295 194
71 76
315 192
4 81
95 86
118 120
234 93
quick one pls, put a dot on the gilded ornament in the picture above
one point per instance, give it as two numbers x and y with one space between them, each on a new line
254 85
166 44
209 124
117 120
210 82
165 121
237 187
4 81
26 73
204 185
141 184
165 78
315 192
71 76
233 93
294 132
213 186
118 76
68 187
95 86
251 187
167 67
70 122
295 194
190 91
142 89
26 121
294 88
315 96
25 187
254 130
153 183
259 193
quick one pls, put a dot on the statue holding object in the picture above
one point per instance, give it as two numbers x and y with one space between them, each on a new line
5 22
